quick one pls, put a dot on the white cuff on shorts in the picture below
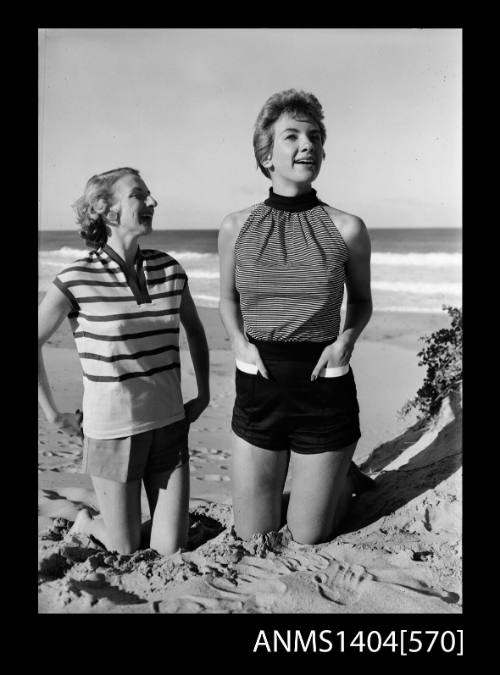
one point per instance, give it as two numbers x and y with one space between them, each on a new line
250 368
334 371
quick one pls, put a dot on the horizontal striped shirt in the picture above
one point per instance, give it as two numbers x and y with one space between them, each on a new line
126 329
290 272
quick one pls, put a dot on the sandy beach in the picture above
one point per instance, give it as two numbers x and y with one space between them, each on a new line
400 551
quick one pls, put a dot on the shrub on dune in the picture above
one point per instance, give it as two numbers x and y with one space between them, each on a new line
442 356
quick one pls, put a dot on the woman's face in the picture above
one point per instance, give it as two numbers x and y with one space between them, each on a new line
134 204
297 151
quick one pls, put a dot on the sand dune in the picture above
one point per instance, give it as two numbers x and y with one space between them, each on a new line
400 550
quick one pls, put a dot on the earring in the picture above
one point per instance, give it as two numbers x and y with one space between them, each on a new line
112 216
269 167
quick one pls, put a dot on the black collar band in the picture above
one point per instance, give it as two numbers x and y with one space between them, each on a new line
293 204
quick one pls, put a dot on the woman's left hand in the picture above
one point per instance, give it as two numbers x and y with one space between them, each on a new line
195 407
336 354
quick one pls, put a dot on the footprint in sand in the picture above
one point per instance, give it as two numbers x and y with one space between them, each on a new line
312 562
77 446
261 587
199 459
247 588
261 567
400 578
213 477
191 604
225 589
341 584
215 604
72 468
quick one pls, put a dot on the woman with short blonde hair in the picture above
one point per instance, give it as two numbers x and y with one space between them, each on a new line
284 263
125 305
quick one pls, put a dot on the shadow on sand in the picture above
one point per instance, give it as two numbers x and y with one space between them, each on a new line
433 454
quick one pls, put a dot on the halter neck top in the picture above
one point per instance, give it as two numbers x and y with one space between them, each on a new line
290 270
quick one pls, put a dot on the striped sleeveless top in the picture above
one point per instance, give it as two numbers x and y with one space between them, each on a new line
126 329
290 270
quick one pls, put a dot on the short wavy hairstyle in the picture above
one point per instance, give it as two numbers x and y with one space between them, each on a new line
291 102
93 207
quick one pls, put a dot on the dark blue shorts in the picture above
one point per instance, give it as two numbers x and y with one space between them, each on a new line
288 411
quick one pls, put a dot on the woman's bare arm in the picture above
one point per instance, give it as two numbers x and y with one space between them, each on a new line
51 312
359 299
198 349
229 305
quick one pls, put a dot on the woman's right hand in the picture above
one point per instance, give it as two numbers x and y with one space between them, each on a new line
248 353
70 423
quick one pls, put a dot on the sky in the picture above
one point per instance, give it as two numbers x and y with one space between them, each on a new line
180 105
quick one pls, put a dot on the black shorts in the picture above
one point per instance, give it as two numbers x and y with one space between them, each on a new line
288 411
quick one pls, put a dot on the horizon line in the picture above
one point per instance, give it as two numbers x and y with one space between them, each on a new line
200 229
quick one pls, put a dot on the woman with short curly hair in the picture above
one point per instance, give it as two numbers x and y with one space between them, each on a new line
124 304
284 263
284 102
92 208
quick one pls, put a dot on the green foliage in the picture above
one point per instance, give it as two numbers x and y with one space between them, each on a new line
442 355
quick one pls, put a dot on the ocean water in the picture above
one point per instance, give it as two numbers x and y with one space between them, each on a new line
413 270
